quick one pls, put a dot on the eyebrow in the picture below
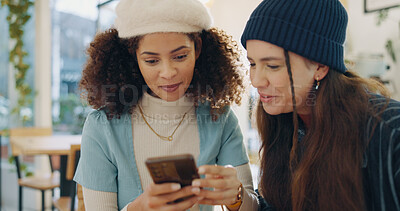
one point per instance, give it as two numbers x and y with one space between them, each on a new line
173 51
265 59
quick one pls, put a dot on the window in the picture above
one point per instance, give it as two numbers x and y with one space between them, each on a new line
4 46
73 28
8 94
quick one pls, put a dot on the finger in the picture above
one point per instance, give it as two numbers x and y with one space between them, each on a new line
216 202
171 197
217 183
213 176
217 170
220 195
158 189
183 205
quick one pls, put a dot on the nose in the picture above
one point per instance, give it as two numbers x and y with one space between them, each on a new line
168 71
258 77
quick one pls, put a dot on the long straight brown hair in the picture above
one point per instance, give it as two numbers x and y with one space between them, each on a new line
323 171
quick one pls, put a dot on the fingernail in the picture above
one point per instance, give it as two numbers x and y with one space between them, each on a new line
196 190
200 198
201 170
196 183
176 186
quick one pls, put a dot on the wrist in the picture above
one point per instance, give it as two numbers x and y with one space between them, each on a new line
239 200
135 205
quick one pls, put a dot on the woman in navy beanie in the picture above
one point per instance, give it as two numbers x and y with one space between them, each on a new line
330 139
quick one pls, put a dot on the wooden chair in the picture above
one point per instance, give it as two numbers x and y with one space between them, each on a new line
67 203
42 183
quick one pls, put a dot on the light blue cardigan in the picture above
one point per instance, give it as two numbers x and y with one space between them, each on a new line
108 163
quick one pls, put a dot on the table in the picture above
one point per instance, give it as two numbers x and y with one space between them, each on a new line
48 145
44 145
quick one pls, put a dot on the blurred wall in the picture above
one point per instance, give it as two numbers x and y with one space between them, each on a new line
366 37
232 16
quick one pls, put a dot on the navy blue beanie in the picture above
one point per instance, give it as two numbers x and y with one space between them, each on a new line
314 29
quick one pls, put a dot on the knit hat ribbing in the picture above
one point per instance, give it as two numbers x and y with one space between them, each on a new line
139 17
314 29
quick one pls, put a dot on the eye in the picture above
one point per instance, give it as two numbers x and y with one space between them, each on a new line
252 64
180 57
151 61
274 67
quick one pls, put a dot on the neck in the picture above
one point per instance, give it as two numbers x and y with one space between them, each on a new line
158 108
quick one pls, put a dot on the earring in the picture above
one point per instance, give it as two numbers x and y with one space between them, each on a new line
317 86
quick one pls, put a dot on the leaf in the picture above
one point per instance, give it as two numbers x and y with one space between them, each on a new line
15 110
11 159
18 16
390 50
382 16
23 167
5 132
28 174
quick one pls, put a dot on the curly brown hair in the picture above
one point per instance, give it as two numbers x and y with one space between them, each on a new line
111 79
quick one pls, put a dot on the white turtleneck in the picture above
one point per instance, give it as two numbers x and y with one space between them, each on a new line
164 117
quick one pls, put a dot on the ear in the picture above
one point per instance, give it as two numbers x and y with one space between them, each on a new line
198 45
321 71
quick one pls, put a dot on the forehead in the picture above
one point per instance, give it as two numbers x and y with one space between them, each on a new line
165 40
258 48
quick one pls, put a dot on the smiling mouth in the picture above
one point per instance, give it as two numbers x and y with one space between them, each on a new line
266 98
171 87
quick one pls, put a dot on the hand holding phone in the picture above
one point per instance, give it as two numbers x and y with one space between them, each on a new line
173 169
164 197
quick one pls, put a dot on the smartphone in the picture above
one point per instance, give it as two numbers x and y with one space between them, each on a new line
177 169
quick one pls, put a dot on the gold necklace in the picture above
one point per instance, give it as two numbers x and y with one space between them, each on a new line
169 138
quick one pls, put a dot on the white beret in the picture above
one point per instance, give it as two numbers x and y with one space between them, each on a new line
139 17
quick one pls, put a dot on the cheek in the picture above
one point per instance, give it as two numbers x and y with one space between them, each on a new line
251 72
254 83
188 70
281 82
148 74
302 93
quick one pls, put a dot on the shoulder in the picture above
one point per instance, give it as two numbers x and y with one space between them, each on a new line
383 125
94 120
99 128
98 118
387 111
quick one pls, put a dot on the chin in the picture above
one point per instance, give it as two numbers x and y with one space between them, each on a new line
273 110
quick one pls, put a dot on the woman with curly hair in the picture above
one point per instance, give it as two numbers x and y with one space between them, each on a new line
330 139
162 82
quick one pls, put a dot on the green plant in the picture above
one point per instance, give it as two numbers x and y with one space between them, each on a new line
382 16
72 114
23 167
17 18
390 49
